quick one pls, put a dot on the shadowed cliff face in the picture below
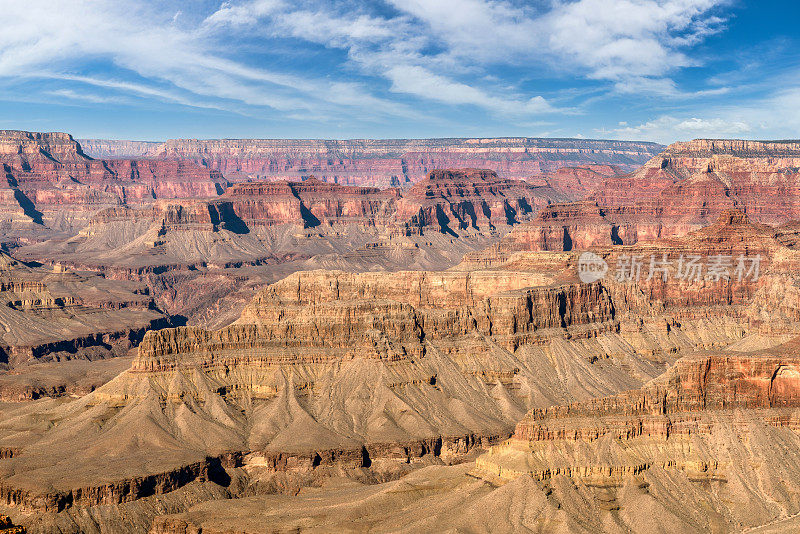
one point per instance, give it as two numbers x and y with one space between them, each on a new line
8 527
54 188
152 220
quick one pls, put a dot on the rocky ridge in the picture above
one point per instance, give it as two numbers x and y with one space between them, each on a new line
685 188
116 148
689 184
51 185
397 162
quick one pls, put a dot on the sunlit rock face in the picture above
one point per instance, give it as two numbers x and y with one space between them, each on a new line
51 184
689 184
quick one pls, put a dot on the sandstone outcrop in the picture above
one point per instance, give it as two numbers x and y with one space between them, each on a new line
715 419
471 198
685 188
310 203
579 181
708 424
710 445
270 229
559 228
586 225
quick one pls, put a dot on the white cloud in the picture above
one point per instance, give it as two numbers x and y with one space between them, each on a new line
421 82
633 43
84 97
629 38
667 129
51 41
440 51
241 15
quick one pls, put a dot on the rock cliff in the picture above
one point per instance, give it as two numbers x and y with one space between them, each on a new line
274 228
471 198
686 187
371 374
117 149
397 162
690 183
706 428
51 314
52 185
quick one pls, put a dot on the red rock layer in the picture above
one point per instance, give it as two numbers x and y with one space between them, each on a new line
579 181
400 161
562 227
448 200
587 225
116 149
49 180
690 183
310 202
686 187
471 198
770 379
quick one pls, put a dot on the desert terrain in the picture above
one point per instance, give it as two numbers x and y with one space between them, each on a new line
252 336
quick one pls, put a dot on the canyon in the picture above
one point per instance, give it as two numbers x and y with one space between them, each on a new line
381 162
396 336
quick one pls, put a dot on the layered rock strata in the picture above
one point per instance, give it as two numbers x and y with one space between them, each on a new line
708 428
689 184
685 188
51 184
257 232
333 368
58 314
398 162
116 148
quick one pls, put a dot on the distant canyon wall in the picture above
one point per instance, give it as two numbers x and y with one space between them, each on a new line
381 162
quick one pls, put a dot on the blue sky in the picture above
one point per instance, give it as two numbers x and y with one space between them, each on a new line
660 70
